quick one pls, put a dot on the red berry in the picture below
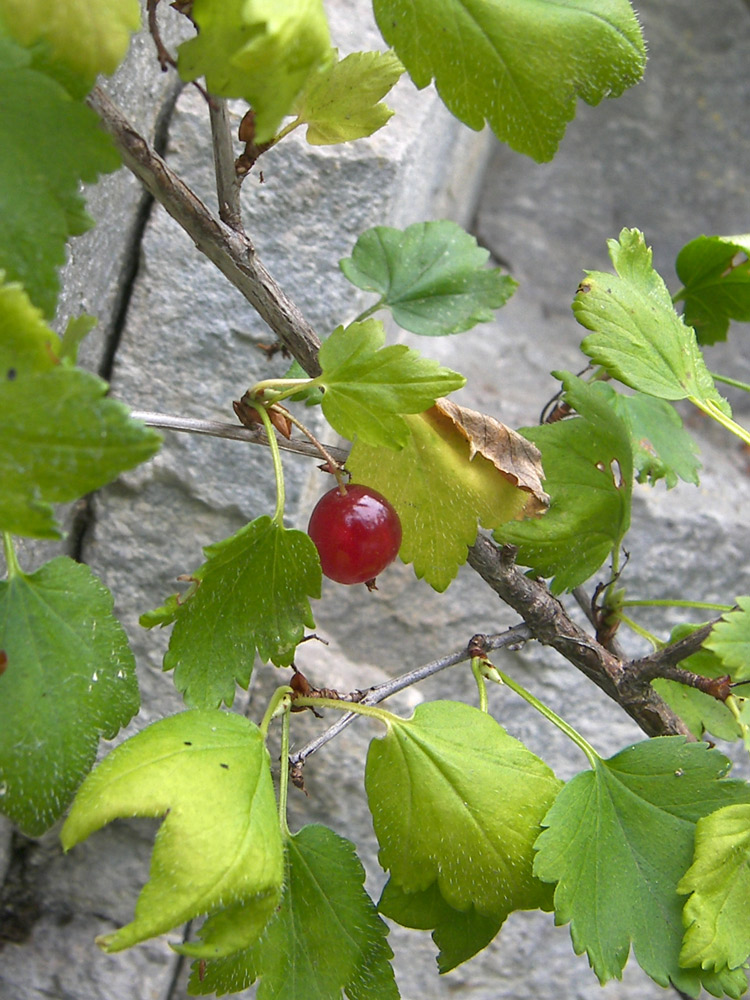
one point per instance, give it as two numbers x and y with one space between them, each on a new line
357 533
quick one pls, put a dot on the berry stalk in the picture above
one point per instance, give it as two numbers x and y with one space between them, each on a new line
278 516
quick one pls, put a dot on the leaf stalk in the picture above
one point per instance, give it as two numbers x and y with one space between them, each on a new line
552 717
11 560
275 707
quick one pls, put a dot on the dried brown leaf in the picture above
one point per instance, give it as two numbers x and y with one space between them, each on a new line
512 455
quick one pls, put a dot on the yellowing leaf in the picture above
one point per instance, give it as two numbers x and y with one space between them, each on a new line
341 101
261 50
208 773
715 916
88 38
441 493
457 801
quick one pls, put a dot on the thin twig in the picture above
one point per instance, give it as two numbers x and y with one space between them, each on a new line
585 603
516 634
231 252
216 428
162 52
227 184
663 663
551 625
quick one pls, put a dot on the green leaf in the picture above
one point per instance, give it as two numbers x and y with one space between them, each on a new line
715 272
639 338
310 395
698 710
41 206
730 640
259 50
325 937
61 437
458 934
518 64
368 386
27 344
618 840
208 773
69 680
588 471
431 275
662 448
441 489
457 801
340 101
250 594
717 932
86 39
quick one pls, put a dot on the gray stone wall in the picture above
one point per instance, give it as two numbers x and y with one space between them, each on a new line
667 158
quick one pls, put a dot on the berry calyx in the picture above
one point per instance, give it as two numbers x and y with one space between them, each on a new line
357 533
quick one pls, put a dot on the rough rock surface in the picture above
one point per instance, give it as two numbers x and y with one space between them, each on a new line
668 158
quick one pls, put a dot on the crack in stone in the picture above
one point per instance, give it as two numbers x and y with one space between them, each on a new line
84 516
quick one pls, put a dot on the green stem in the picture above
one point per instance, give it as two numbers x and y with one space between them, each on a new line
348 706
666 603
642 632
280 388
476 669
274 706
552 717
287 129
278 515
730 381
11 561
615 573
284 773
712 410
368 312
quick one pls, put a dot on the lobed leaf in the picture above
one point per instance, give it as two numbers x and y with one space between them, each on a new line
662 448
458 934
715 272
342 100
457 802
368 387
431 275
638 337
717 934
519 65
259 50
252 594
69 679
62 437
730 641
618 841
588 470
208 773
42 207
442 488
325 937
